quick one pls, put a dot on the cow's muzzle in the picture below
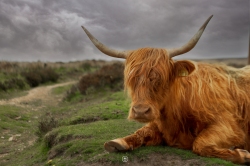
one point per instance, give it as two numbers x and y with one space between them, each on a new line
142 113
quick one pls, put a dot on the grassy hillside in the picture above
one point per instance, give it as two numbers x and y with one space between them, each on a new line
73 131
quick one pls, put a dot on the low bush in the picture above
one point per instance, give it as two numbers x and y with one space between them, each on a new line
15 83
109 75
86 66
46 124
33 79
2 87
12 83
23 75
40 75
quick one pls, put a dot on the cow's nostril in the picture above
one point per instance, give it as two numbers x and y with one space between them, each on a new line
134 109
147 111
140 110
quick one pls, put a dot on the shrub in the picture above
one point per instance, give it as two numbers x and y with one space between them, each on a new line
49 75
2 87
33 79
87 81
86 66
40 75
12 83
72 93
19 83
109 75
46 124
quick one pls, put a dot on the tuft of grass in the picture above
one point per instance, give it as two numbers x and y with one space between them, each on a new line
46 124
73 94
61 90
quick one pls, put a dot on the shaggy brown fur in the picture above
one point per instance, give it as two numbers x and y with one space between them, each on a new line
189 105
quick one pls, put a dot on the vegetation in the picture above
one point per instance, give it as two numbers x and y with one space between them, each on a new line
37 76
109 76
22 76
73 131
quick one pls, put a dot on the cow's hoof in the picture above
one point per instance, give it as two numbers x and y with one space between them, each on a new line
245 156
116 145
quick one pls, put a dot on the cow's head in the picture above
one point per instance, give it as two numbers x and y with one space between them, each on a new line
149 73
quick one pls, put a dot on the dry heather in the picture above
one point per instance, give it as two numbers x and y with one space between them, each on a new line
23 75
107 76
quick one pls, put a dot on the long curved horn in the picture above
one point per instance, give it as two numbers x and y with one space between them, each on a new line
105 49
192 42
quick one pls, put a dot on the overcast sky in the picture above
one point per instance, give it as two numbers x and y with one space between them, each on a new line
50 30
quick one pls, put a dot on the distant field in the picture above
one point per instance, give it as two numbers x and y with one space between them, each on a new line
236 62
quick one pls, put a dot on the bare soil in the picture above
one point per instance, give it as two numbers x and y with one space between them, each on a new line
37 94
155 159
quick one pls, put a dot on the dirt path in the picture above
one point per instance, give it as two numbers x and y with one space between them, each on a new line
37 94
36 99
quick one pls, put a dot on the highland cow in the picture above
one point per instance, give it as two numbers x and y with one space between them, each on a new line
185 104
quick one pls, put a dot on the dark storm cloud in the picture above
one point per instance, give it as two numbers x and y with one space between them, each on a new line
49 30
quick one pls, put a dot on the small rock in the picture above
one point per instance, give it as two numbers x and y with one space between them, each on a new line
17 118
11 139
2 137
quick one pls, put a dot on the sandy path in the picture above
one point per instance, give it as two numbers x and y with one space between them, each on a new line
44 97
40 93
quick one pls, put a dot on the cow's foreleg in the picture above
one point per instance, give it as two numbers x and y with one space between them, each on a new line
147 135
225 142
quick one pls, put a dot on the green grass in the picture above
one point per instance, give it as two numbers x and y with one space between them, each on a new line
12 94
110 109
87 139
18 123
12 118
61 90
6 76
73 72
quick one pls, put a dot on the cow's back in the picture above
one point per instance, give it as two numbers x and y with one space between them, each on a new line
241 76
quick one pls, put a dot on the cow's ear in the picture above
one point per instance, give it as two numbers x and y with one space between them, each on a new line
184 68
